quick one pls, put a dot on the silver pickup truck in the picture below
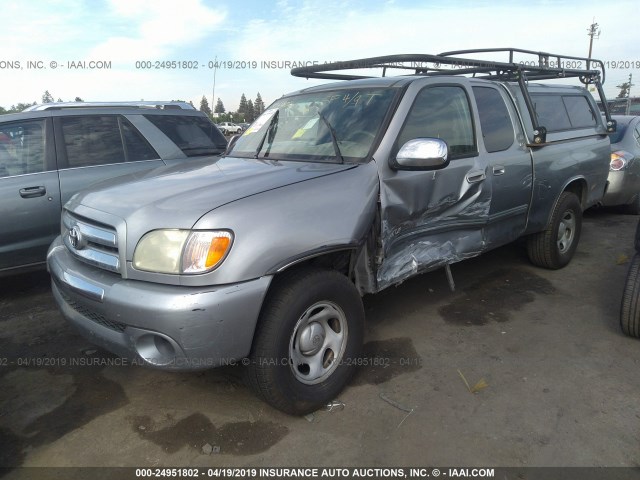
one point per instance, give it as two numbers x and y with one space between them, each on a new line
262 256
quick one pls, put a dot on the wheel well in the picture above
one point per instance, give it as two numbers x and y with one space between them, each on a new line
579 188
339 260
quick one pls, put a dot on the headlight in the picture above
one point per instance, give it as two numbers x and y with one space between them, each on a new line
182 251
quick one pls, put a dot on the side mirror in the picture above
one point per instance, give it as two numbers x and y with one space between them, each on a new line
422 154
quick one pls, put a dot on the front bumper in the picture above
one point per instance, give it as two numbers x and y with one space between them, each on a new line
622 189
165 326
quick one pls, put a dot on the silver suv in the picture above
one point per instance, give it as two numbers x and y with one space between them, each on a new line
334 192
49 152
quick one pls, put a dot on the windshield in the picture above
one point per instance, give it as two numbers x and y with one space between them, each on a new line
335 126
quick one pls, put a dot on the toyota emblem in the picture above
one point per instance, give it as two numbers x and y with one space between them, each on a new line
75 238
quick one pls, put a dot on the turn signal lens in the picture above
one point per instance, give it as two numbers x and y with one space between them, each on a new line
205 250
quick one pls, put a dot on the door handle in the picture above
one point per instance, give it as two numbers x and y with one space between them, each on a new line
32 192
475 177
498 170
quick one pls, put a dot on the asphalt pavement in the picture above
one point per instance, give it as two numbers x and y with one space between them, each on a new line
518 367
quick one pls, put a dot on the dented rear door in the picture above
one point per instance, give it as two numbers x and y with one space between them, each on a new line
433 218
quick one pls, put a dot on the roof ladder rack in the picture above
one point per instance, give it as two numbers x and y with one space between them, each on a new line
533 66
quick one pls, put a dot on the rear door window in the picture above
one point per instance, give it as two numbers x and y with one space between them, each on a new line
495 121
93 140
136 146
195 136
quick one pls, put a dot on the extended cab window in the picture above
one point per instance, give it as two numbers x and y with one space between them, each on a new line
579 110
193 135
495 121
563 112
92 140
441 112
22 148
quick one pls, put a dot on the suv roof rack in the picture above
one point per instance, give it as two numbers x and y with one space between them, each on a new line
532 66
141 104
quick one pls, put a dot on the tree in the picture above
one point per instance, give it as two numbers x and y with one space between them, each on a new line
219 107
20 107
250 112
78 99
204 106
47 97
258 106
59 100
624 89
242 108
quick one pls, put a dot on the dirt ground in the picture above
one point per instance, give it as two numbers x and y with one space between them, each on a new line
556 382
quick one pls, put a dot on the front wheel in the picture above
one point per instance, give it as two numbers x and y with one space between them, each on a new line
554 247
307 341
630 309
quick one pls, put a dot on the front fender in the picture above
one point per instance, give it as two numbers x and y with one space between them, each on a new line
274 228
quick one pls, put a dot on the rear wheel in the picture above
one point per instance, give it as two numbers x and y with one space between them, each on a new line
309 334
630 309
554 247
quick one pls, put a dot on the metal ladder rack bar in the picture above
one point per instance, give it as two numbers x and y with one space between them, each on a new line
419 64
543 58
545 72
520 72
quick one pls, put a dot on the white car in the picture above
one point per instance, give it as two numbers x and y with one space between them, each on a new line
229 128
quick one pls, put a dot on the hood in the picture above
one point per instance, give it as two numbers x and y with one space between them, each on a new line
180 195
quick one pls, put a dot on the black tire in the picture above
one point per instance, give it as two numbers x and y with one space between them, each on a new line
554 247
630 309
277 372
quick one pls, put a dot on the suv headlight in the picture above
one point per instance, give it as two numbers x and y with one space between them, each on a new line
182 251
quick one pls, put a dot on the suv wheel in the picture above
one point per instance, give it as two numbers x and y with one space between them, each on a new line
630 309
309 335
554 247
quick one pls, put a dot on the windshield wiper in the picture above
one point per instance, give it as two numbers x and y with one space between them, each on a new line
272 124
334 138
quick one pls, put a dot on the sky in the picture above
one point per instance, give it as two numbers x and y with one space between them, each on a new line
49 45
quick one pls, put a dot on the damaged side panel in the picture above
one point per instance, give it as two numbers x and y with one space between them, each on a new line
430 219
426 224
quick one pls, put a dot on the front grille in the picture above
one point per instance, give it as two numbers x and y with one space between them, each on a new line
91 315
91 242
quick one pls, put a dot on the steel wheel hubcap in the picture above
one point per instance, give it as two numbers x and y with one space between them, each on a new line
318 342
566 231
